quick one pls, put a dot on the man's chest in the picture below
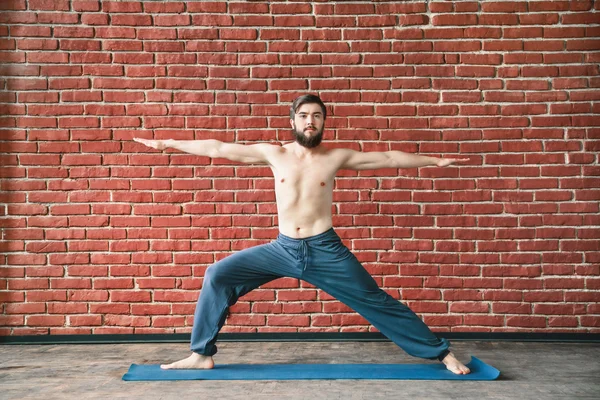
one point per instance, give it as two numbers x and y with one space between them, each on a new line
303 176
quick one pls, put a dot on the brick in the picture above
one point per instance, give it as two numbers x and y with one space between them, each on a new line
298 320
482 320
469 307
172 20
30 31
13 5
45 320
126 320
81 320
86 5
12 320
128 20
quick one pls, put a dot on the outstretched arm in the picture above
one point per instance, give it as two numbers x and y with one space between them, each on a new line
357 160
249 154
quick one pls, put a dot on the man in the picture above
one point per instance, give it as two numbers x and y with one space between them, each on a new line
307 247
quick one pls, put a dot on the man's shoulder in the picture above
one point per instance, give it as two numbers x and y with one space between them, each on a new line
337 150
268 147
337 147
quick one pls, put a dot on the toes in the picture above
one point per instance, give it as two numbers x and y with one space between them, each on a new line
459 370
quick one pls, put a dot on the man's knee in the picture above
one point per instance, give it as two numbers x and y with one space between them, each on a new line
214 276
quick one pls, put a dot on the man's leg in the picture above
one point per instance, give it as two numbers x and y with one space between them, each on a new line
336 270
225 282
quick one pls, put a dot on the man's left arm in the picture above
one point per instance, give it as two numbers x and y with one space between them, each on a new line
357 160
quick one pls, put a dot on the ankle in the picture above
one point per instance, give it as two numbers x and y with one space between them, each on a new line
444 354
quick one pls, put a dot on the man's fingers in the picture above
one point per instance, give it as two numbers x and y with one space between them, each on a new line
459 159
149 143
444 162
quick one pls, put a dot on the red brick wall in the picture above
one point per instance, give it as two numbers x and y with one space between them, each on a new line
103 235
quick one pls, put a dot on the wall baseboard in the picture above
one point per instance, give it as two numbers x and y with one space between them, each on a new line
297 337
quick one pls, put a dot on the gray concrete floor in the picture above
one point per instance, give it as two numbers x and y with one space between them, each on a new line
528 371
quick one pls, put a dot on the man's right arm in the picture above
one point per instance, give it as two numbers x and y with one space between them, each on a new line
248 154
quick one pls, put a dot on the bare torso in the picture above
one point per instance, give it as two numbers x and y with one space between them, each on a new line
304 189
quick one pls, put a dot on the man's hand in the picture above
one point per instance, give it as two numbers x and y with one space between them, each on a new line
444 162
155 144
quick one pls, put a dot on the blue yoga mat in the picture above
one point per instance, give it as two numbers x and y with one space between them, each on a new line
480 371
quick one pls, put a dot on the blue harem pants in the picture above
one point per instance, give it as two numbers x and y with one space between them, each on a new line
323 261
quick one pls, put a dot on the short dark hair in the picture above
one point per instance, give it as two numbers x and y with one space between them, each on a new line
307 99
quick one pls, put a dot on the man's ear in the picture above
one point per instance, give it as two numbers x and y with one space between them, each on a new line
292 123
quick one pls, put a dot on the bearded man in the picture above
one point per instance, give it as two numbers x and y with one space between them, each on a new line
307 246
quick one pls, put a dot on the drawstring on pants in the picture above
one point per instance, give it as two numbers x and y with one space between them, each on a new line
303 253
302 245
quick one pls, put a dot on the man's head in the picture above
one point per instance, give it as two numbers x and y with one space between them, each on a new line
307 117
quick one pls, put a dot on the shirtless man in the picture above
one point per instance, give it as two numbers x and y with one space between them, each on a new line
307 247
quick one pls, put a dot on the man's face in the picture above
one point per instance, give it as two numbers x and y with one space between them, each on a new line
308 124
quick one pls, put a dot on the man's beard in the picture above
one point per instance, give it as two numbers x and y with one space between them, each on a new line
309 142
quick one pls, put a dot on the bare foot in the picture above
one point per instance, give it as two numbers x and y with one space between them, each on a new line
454 365
195 361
